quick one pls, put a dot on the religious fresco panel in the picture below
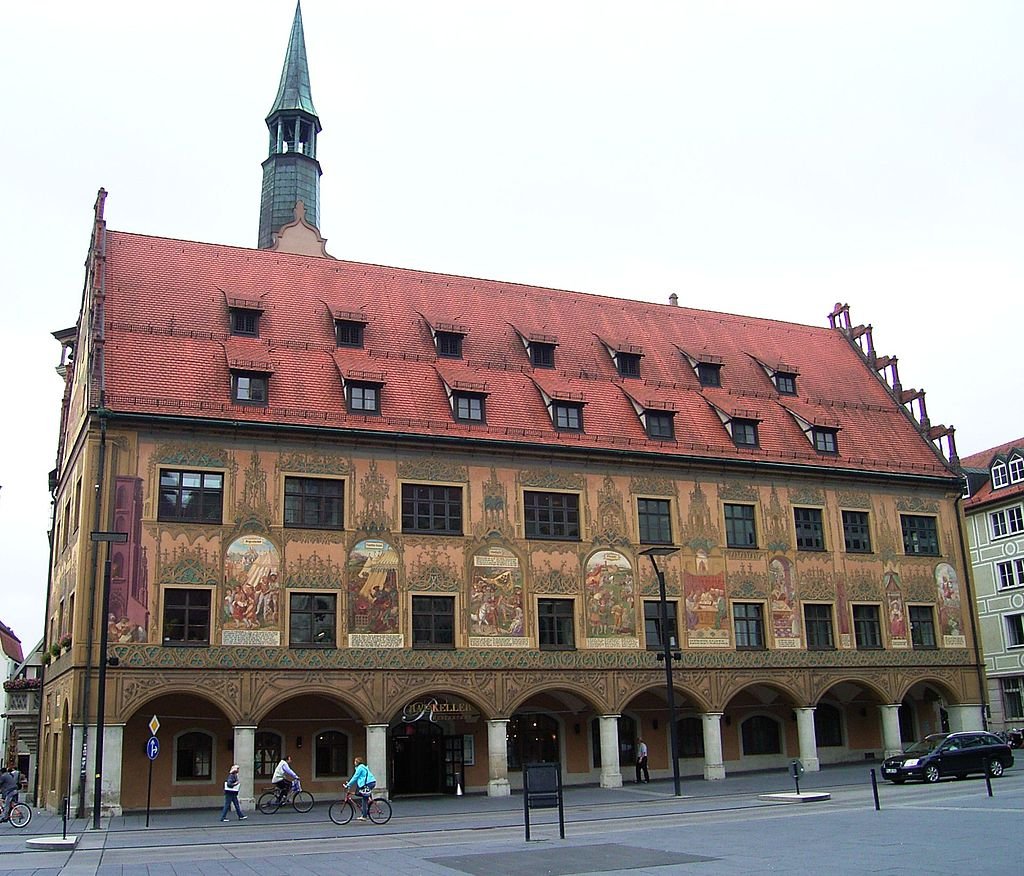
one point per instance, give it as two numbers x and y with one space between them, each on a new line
373 613
895 610
252 593
610 591
785 618
128 616
496 606
950 615
707 622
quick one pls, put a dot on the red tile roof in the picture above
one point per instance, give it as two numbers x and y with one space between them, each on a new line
10 644
168 352
982 461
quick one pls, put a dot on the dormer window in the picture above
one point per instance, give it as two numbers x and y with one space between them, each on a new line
362 398
1016 470
628 364
468 407
449 344
249 388
567 416
542 355
744 432
348 333
785 382
660 425
825 440
709 374
1000 478
245 322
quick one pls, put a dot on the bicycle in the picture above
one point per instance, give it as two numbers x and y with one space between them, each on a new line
273 799
19 814
341 811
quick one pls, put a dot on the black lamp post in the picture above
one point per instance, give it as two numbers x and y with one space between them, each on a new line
667 643
101 694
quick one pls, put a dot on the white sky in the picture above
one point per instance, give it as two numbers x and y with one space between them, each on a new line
768 157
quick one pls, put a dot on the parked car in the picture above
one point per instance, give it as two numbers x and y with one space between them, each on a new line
949 754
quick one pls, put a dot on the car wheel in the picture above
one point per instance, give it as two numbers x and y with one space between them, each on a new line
995 768
931 773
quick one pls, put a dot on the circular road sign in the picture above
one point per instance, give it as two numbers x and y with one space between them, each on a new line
152 747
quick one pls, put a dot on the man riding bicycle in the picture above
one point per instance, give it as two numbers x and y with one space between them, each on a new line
284 775
364 782
10 784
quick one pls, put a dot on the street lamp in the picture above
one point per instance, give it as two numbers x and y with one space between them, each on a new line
667 642
101 694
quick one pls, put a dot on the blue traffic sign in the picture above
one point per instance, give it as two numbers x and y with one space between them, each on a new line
152 747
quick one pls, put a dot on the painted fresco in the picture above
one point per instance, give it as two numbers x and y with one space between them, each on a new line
128 618
372 574
706 619
252 595
496 599
843 613
785 621
950 615
611 600
895 610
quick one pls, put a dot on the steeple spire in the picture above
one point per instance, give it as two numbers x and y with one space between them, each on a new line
291 172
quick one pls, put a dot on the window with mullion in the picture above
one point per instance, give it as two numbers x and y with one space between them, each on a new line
1000 477
191 495
748 618
709 374
920 535
1013 697
744 432
244 322
825 440
655 520
652 624
856 533
553 516
193 757
1016 470
740 531
1014 630
433 622
449 345
249 388
555 624
363 398
568 417
311 620
469 406
1011 573
542 355
818 624
432 508
810 531
867 630
922 626
628 364
660 424
785 382
314 503
186 617
348 333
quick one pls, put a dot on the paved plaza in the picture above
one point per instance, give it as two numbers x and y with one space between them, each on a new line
725 827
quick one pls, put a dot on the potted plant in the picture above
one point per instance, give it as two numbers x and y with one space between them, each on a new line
21 683
46 658
65 642
55 650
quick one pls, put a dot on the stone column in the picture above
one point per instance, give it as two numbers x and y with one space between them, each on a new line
714 765
966 717
808 742
611 775
377 755
243 753
891 742
79 733
110 783
497 758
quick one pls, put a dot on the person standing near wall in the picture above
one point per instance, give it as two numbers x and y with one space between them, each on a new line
231 785
641 762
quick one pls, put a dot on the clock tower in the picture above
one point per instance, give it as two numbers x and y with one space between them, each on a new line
291 172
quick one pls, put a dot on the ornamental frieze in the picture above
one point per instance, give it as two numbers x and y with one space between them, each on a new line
551 479
494 520
609 526
191 453
565 579
652 486
861 586
816 584
853 500
374 489
189 564
312 463
432 468
134 689
917 504
737 491
746 583
700 532
776 525
807 496
313 572
312 536
918 584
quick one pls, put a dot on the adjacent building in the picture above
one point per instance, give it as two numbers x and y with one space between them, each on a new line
370 510
994 508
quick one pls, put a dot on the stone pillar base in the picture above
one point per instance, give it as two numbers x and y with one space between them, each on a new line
499 788
713 772
611 780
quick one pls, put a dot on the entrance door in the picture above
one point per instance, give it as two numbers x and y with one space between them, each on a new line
453 770
417 759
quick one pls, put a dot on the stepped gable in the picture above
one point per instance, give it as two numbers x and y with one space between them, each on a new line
168 352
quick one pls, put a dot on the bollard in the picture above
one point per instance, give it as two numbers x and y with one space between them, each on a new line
874 790
65 811
988 782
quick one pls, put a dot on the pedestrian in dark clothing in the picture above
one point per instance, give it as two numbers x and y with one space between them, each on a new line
641 761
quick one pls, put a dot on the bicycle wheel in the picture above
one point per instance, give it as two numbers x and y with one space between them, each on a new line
302 801
341 811
21 814
380 811
269 803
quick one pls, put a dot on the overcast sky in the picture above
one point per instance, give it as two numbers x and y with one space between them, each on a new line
765 158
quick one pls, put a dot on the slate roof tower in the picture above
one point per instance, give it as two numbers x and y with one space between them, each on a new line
291 171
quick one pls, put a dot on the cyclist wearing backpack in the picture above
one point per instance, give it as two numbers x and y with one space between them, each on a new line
364 781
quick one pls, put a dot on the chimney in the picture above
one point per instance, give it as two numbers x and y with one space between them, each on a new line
673 299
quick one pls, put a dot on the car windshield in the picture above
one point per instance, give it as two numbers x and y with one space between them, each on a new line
923 746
